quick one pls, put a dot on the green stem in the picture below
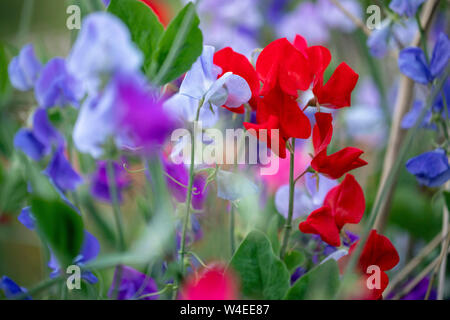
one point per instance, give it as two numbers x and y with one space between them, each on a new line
288 225
232 240
44 285
423 39
189 195
115 204
25 19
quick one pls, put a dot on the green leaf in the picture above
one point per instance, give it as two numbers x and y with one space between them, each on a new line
263 275
60 226
447 199
322 282
179 47
145 28
293 260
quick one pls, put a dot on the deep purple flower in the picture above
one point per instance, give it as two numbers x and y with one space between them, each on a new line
178 188
37 142
417 293
412 61
56 87
61 173
430 168
89 251
133 284
297 274
100 181
24 69
405 7
11 289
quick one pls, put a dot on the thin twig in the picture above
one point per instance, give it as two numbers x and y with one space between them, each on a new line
354 19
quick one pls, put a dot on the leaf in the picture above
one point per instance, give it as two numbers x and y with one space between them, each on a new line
145 28
263 275
293 260
179 47
447 199
322 282
60 226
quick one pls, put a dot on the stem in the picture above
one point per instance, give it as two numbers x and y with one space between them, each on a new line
232 240
25 19
115 204
189 194
288 225
44 285
354 19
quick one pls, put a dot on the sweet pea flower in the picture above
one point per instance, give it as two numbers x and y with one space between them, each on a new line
132 285
413 63
430 168
56 87
178 179
405 7
26 218
24 69
100 182
378 251
343 204
307 200
103 47
127 111
61 173
38 141
213 283
336 164
12 289
202 89
89 251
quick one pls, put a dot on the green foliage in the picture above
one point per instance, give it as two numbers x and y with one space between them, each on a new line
60 226
145 28
4 80
294 259
178 48
263 275
322 282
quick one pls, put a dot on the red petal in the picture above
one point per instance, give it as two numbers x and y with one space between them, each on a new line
231 61
346 202
270 125
339 163
378 251
336 93
301 45
322 132
319 59
321 222
281 63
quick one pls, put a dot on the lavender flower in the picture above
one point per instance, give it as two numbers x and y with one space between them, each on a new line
24 69
61 173
12 289
430 168
405 7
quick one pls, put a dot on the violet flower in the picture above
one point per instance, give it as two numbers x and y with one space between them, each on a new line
12 289
61 173
24 69
100 181
430 168
132 285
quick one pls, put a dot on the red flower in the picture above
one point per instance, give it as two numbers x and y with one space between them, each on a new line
336 164
336 93
343 204
214 283
378 252
231 61
280 64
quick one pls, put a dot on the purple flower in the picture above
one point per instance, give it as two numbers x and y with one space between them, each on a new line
132 285
335 18
24 69
26 218
180 173
417 293
410 119
11 289
405 7
103 47
297 274
412 61
56 87
106 2
89 251
100 181
61 173
37 142
430 168
127 111
378 41
201 85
